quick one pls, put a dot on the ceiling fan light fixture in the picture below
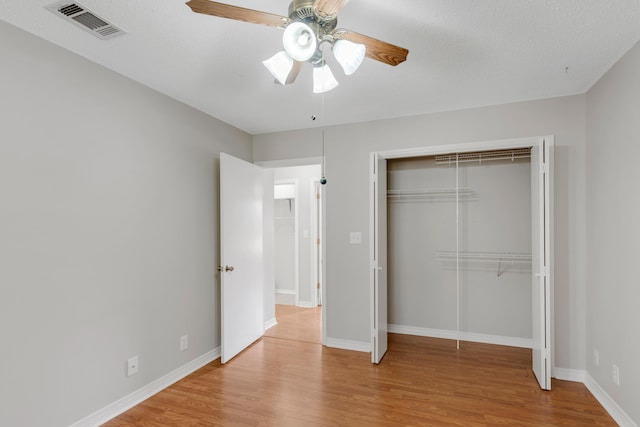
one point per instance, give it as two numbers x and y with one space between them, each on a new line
279 65
323 80
299 41
349 55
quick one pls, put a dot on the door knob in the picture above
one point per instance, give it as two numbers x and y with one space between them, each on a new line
226 268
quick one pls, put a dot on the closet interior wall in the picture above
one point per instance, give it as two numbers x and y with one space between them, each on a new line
482 284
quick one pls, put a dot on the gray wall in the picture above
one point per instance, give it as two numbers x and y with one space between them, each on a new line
108 242
347 200
613 230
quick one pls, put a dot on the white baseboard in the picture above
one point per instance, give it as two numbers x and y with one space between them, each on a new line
129 401
575 375
270 323
463 336
285 291
306 304
348 344
608 403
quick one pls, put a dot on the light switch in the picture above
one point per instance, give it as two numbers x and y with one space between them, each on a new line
355 238
305 234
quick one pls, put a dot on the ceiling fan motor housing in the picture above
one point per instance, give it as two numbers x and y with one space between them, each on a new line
303 11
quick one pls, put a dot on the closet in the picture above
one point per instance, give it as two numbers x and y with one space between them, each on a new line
461 246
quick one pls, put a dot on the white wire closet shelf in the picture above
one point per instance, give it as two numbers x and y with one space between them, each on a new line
429 194
506 261
517 257
482 156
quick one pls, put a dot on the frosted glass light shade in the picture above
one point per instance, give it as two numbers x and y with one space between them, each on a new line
299 41
280 66
323 80
349 55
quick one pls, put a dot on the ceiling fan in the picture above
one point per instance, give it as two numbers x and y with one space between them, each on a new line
310 23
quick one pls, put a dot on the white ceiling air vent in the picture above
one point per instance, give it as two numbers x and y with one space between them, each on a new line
85 19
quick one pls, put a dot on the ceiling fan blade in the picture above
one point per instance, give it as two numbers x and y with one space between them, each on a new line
297 66
222 10
329 7
376 49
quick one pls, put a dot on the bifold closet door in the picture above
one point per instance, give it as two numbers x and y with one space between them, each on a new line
540 258
379 257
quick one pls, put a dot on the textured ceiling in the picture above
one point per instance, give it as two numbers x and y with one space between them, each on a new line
462 53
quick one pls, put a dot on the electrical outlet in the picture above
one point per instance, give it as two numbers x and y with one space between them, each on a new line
355 238
132 366
596 357
184 342
616 375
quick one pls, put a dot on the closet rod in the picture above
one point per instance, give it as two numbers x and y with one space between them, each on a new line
480 156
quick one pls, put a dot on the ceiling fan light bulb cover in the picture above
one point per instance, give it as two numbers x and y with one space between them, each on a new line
323 80
349 55
280 66
299 41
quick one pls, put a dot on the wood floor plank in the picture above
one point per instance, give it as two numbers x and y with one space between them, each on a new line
280 381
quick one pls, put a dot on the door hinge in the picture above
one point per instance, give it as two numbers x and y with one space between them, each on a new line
374 333
318 285
545 168
318 242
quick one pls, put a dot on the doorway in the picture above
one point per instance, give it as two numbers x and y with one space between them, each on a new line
541 241
298 247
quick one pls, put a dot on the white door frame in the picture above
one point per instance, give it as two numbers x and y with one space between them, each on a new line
316 239
504 144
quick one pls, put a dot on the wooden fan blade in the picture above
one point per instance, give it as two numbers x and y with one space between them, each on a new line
297 66
329 7
376 49
222 10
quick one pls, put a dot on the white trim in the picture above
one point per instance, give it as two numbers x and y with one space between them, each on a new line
464 336
502 144
363 346
306 304
608 403
286 291
268 324
565 374
285 163
129 401
314 270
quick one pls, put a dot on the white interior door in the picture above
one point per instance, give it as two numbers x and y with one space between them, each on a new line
379 256
241 255
540 255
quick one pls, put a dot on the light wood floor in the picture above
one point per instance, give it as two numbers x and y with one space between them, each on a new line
280 381
296 323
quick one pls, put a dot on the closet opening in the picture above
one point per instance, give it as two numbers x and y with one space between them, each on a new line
461 245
